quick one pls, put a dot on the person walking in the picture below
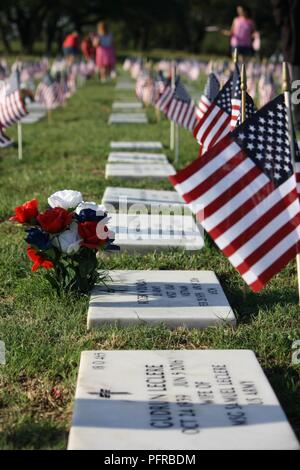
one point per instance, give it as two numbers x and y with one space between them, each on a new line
287 14
105 51
242 33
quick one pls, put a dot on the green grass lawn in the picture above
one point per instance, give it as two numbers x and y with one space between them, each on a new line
44 334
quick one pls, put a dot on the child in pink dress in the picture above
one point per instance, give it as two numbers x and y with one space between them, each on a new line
105 51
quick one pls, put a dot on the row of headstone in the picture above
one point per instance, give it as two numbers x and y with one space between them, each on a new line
185 400
133 162
129 111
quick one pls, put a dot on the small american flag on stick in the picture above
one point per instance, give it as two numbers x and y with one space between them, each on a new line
12 107
244 192
223 114
49 92
211 90
178 106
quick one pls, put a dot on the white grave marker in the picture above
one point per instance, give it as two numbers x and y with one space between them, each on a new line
32 118
125 197
136 157
179 400
136 145
124 118
125 86
120 105
139 231
138 171
194 299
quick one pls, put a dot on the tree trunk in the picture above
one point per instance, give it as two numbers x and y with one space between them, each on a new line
51 28
5 40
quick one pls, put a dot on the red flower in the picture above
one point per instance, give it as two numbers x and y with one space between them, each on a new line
87 231
55 220
26 212
38 260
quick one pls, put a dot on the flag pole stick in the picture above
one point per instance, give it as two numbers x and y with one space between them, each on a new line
177 141
49 115
243 117
20 141
19 125
287 98
235 56
172 124
244 92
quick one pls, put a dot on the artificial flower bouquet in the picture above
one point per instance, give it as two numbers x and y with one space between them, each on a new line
65 239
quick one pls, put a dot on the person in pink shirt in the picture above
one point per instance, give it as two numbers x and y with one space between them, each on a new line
242 33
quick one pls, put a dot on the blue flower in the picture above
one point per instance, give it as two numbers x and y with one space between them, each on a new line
89 215
38 238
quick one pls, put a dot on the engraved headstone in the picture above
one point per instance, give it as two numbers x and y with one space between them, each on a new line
179 400
138 171
36 107
193 299
136 145
32 118
136 157
138 231
120 105
130 86
125 197
125 118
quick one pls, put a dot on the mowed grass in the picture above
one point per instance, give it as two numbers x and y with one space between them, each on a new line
44 334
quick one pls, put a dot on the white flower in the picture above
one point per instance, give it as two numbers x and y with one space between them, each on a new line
99 209
68 241
67 199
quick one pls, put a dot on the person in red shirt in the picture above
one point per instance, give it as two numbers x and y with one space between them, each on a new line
71 46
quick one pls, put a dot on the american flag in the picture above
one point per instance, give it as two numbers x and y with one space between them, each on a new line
244 192
236 97
144 88
160 84
49 92
222 115
12 107
211 90
178 106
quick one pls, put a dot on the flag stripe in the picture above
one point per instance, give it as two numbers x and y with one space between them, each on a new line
264 248
256 225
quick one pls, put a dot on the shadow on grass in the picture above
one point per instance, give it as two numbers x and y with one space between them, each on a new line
247 303
33 435
285 382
